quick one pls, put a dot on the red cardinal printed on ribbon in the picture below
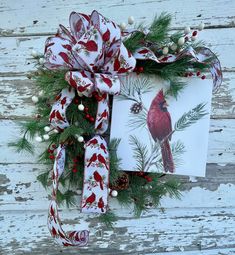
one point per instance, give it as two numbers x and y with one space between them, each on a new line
94 56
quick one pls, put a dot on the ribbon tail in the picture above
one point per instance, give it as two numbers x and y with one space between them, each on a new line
74 238
96 176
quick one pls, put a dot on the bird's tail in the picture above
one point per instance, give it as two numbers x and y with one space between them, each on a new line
167 158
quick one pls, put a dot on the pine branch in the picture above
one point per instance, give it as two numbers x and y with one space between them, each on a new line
108 219
22 144
191 117
176 87
67 197
137 120
43 179
114 161
140 153
159 28
70 131
177 149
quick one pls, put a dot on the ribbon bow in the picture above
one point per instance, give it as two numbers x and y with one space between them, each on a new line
95 57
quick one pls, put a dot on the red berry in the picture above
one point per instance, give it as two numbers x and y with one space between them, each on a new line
140 69
194 33
51 156
198 73
190 74
53 146
86 109
148 179
74 170
91 119
76 101
49 150
203 77
75 160
88 116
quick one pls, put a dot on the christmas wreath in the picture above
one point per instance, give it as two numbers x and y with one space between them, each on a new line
76 78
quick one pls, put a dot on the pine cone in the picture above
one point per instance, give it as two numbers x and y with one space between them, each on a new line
121 183
136 108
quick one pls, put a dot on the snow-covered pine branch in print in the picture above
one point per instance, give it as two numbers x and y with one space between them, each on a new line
158 132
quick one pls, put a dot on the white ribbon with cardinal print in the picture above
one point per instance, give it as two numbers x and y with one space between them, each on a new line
95 57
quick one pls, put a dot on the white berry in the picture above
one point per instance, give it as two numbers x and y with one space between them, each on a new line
114 193
81 107
181 41
201 26
35 99
47 129
165 50
34 53
131 20
123 25
41 61
80 139
79 192
193 38
173 47
46 137
55 131
187 30
41 93
38 139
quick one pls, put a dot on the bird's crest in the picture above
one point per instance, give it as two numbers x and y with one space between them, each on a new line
159 98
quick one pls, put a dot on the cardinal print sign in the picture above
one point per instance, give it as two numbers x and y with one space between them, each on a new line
159 132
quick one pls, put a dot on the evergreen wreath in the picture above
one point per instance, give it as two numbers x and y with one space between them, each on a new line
141 188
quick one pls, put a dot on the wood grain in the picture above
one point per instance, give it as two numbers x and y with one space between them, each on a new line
16 93
45 15
201 223
17 59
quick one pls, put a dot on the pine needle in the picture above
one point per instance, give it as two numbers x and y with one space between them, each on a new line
22 144
191 117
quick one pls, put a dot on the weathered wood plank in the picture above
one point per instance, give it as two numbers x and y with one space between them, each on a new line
156 232
19 189
16 93
45 15
221 142
17 59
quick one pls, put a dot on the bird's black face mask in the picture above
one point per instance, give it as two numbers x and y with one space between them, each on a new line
163 106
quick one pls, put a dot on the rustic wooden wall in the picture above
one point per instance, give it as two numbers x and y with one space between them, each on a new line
201 223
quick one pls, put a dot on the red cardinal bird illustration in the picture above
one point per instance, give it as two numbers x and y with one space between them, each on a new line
98 178
106 35
92 159
93 142
106 81
53 231
101 204
159 124
89 45
59 117
90 199
102 147
104 114
102 160
83 88
52 115
63 102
